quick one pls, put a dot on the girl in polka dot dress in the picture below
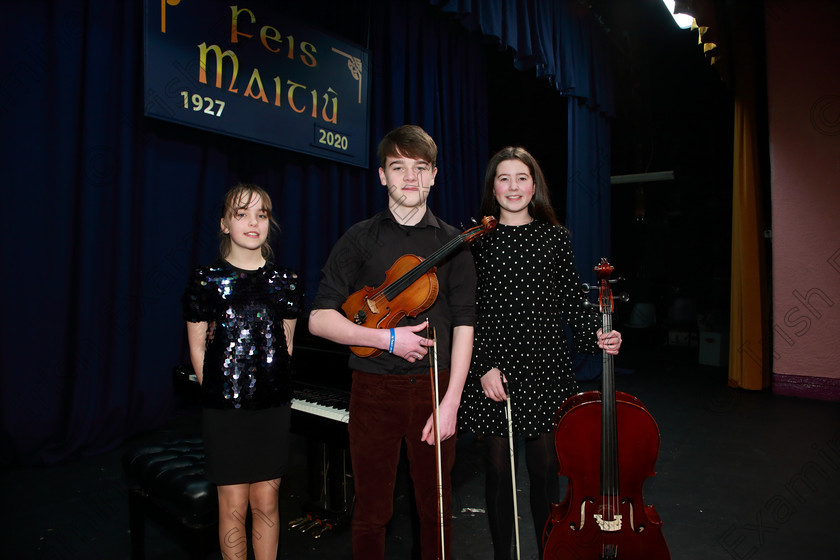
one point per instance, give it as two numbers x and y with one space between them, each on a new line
528 289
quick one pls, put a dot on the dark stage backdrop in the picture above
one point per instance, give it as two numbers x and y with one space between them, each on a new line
106 211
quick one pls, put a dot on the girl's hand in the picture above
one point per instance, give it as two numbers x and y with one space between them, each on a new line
609 342
408 345
492 384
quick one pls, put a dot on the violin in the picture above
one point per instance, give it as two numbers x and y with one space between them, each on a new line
410 287
606 444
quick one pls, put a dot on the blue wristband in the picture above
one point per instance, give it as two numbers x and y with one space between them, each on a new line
391 343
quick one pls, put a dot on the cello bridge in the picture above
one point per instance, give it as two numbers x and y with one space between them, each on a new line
608 526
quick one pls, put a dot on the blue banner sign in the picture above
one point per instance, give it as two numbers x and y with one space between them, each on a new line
247 71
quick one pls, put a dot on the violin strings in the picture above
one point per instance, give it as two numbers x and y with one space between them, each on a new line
390 291
402 283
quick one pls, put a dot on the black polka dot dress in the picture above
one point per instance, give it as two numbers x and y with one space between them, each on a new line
528 288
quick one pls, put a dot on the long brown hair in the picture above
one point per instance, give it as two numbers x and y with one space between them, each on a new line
540 206
238 197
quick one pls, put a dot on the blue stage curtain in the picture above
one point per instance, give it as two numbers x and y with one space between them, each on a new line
560 39
588 208
106 211
567 46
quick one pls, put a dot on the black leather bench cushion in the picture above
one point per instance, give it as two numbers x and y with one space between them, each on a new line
172 473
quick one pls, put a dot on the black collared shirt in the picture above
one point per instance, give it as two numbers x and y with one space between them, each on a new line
364 254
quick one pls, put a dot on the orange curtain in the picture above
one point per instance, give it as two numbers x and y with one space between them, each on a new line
732 42
749 343
748 340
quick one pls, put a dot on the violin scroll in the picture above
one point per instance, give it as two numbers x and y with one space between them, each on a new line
488 224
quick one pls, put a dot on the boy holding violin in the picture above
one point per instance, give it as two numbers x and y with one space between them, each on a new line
391 396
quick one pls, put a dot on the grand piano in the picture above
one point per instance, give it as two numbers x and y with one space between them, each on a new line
320 411
321 377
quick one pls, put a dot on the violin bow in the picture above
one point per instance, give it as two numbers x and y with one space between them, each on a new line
433 366
512 461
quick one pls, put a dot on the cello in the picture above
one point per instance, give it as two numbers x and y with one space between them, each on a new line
606 443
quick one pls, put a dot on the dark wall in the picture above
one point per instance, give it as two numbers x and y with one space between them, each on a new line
674 113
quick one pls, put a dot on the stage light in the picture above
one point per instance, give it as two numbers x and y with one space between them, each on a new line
684 21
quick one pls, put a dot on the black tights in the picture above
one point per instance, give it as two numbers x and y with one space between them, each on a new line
541 460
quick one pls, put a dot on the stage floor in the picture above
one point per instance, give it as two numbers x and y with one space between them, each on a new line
739 475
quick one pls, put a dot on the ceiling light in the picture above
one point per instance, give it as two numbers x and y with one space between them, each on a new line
684 21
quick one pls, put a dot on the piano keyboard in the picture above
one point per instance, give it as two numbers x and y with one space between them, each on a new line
326 403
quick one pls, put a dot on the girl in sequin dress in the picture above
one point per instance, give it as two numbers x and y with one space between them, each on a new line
241 313
528 288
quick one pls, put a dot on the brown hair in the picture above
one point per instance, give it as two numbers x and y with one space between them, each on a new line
409 141
540 206
238 197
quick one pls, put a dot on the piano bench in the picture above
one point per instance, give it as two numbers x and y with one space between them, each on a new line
166 484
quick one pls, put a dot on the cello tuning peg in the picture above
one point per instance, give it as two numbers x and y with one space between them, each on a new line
624 297
474 221
589 305
585 287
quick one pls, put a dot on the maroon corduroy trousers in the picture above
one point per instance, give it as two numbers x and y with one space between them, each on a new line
384 411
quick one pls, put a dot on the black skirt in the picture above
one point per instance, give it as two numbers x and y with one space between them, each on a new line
246 445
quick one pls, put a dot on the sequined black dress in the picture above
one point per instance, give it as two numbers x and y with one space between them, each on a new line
528 288
246 388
